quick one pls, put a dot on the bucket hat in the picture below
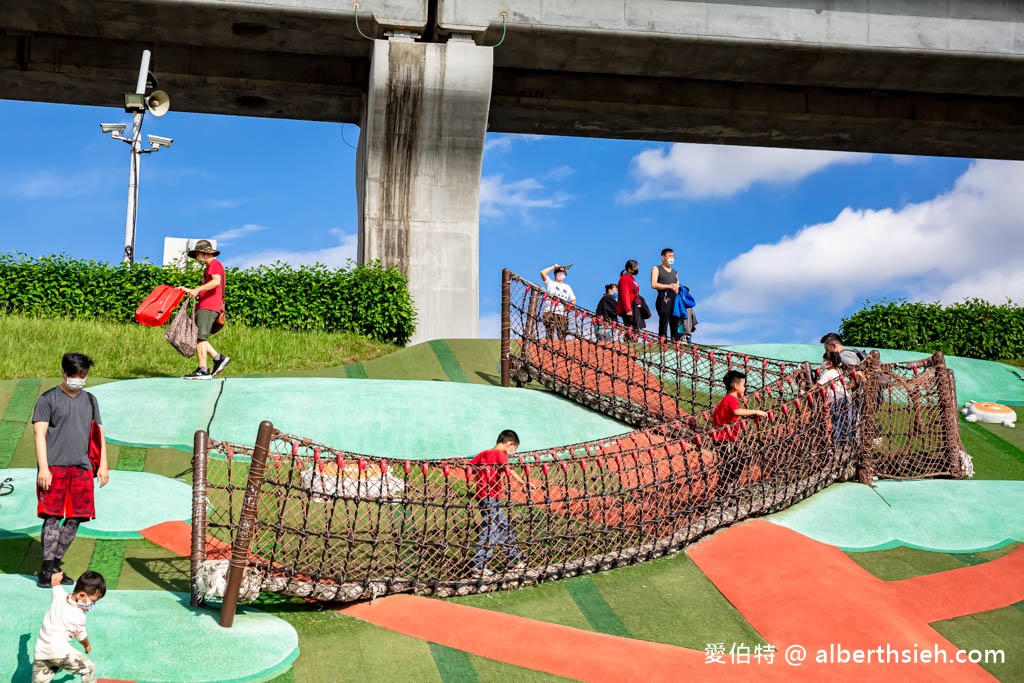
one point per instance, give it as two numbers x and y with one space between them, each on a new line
203 246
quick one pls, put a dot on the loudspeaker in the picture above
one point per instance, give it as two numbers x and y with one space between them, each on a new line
158 103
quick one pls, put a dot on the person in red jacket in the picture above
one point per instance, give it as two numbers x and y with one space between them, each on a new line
629 296
488 479
211 305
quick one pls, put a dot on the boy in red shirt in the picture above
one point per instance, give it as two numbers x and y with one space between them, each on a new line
211 305
489 483
726 416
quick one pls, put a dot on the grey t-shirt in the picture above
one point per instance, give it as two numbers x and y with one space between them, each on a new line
67 438
849 358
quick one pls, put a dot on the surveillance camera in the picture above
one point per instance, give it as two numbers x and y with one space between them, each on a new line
112 128
158 141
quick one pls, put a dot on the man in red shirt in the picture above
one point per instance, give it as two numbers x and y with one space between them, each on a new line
726 417
211 305
488 479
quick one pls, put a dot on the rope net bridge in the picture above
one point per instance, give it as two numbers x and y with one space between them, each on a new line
304 519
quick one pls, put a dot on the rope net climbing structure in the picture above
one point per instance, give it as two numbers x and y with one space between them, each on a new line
309 520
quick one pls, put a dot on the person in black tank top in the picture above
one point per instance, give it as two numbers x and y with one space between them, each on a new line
665 281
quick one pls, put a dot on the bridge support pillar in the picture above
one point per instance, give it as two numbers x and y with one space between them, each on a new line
421 148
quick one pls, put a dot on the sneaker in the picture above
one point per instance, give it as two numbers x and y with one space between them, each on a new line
520 566
43 578
65 580
199 373
481 572
219 365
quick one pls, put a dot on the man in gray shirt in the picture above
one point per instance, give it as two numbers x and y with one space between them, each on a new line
62 424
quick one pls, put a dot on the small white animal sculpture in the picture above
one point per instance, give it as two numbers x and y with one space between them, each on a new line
986 411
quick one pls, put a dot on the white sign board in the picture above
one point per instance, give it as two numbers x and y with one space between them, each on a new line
176 250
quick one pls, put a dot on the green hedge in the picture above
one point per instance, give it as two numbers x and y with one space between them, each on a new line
369 299
972 328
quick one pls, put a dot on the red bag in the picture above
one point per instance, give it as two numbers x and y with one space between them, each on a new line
155 310
95 440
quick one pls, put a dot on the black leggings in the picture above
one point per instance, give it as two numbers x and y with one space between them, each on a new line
56 539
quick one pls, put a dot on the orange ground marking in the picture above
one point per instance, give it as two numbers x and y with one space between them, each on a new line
793 590
176 536
797 591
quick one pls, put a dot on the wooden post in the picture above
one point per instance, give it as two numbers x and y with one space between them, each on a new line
530 324
246 524
506 327
949 414
865 421
200 502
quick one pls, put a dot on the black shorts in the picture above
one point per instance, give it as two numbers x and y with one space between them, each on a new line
204 321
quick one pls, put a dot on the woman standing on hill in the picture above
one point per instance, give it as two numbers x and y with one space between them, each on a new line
629 296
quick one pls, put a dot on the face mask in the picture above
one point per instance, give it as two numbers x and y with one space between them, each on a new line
85 606
670 260
75 383
615 294
560 277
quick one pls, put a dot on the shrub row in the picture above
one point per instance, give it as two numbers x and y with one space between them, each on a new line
368 299
972 328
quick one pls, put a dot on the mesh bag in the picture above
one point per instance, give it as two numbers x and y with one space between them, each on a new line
182 333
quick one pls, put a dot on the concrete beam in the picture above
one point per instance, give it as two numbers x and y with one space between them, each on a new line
418 175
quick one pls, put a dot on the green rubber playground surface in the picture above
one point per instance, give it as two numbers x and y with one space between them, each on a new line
153 636
416 420
976 380
853 517
119 513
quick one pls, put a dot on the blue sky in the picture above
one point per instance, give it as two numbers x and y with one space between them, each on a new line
776 245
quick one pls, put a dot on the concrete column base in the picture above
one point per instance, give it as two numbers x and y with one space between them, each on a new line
418 175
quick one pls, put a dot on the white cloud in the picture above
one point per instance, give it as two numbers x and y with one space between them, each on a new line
496 196
48 184
334 257
503 143
691 171
490 326
965 242
234 233
222 203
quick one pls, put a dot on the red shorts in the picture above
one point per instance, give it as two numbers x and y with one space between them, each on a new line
70 494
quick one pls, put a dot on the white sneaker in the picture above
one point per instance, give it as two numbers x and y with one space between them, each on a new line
520 566
481 572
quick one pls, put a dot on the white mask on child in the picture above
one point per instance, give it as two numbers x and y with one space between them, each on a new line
560 277
75 383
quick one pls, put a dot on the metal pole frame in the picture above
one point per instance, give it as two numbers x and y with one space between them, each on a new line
246 524
200 502
134 166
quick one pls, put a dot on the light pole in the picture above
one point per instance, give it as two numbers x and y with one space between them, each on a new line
137 103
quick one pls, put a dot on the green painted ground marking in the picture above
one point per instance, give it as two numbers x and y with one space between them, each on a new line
16 416
595 608
449 363
131 459
994 458
10 435
989 514
453 665
108 559
355 371
23 400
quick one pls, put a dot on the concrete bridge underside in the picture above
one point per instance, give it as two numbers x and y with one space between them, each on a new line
912 77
